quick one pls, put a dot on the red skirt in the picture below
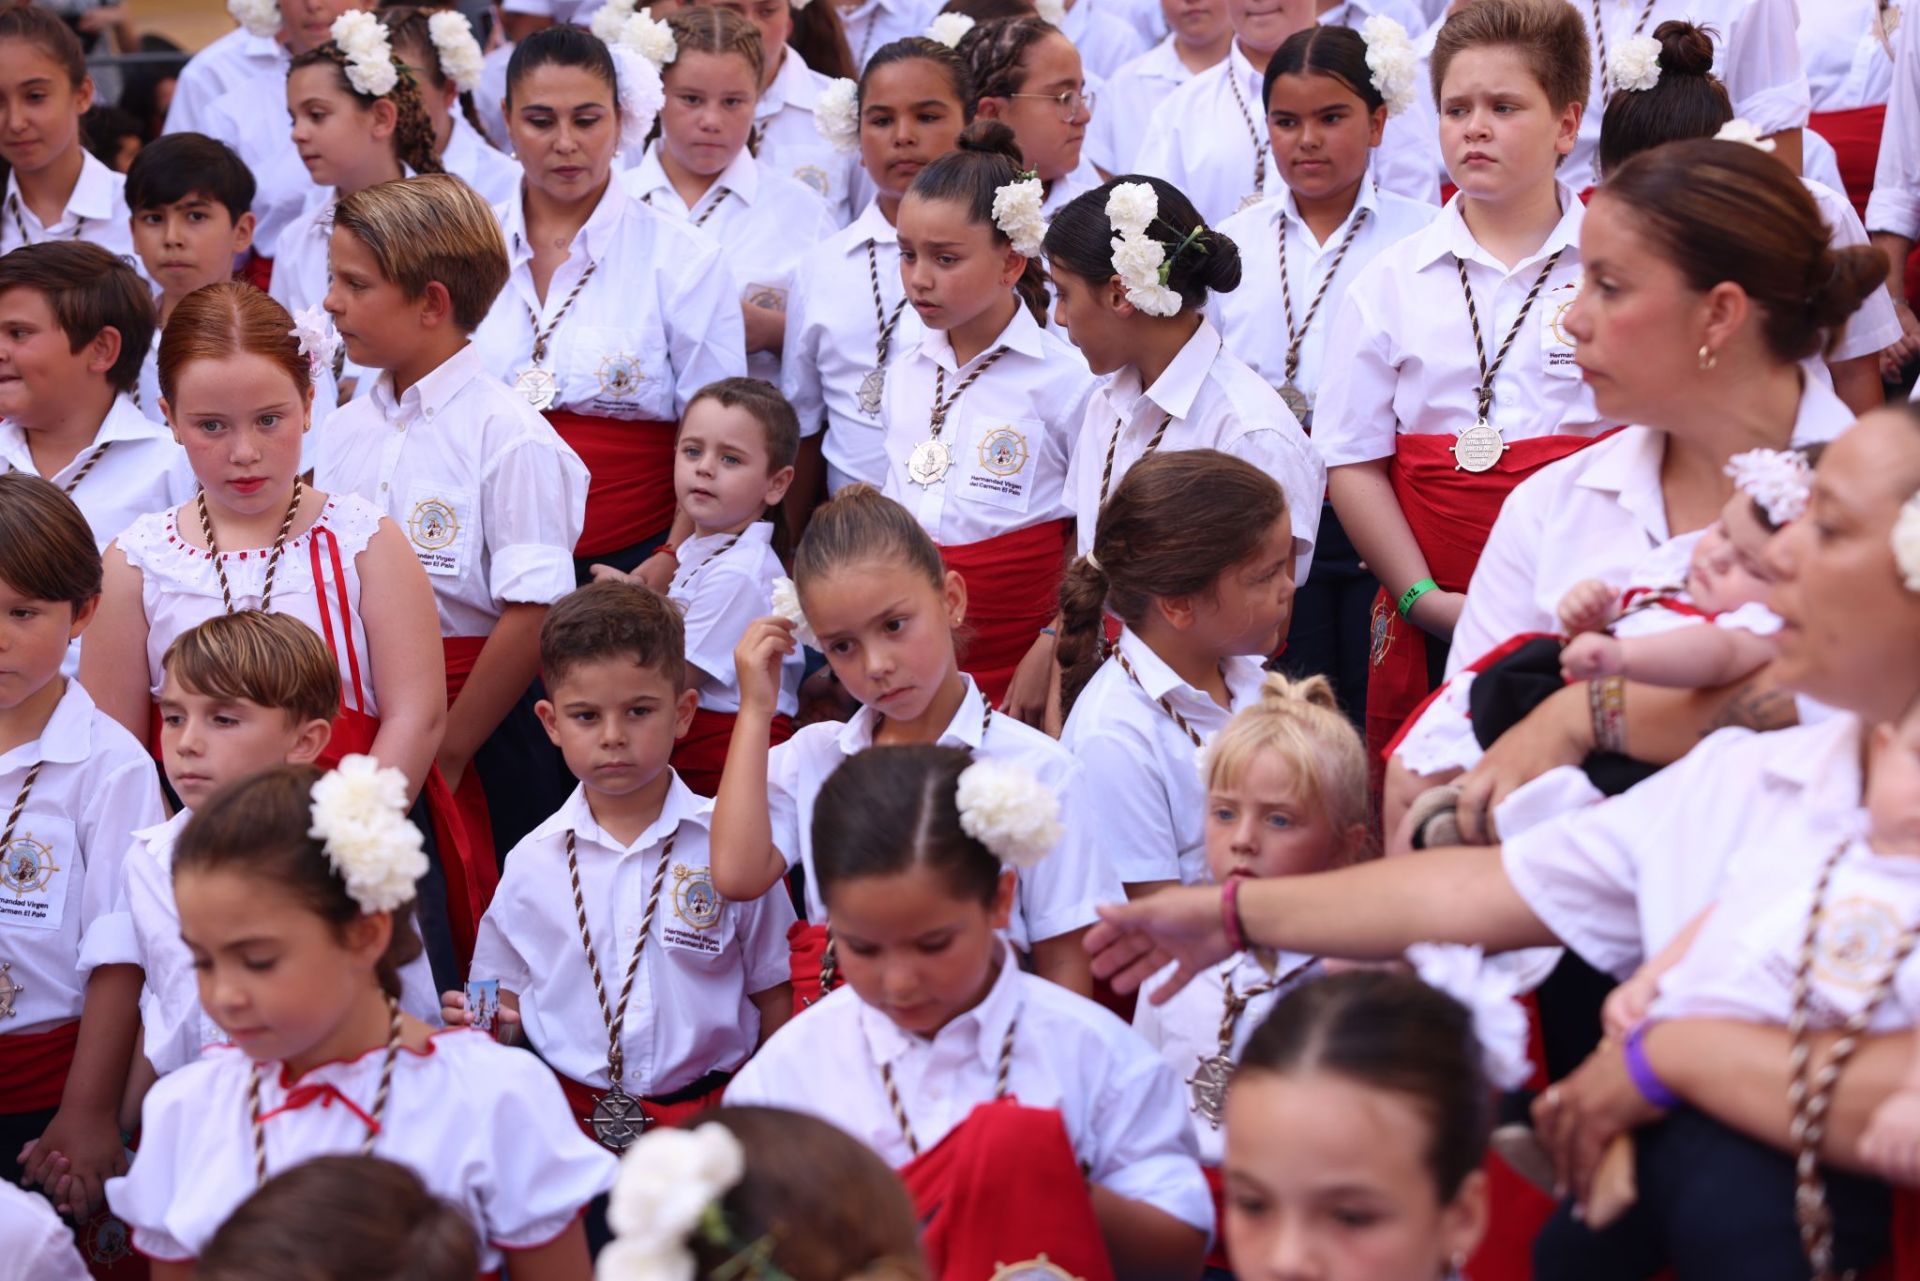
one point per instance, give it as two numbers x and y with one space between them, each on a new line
1855 136
1013 590
701 754
629 462
679 1114
1003 1189
1451 512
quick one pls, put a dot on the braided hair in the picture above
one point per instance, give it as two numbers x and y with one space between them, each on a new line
408 27
413 140
996 54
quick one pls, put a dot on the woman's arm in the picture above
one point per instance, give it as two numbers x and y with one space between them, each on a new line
403 652
505 668
113 657
1145 1242
1370 513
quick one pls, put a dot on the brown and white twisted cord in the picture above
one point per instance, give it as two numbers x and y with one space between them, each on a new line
887 324
942 403
1489 372
1253 131
1810 1093
85 467
1236 1003
720 195
1165 706
1113 443
273 557
1001 1077
708 559
542 336
13 203
616 1016
1600 45
1297 337
380 1094
19 805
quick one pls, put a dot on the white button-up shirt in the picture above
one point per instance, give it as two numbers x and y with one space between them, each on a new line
252 118
235 57
1143 775
1186 1030
790 141
60 915
690 1013
1404 346
1895 204
1127 102
1595 514
484 1126
96 212
1209 144
1254 318
489 496
874 24
472 159
1845 55
1055 896
1106 39
833 343
1011 433
1124 1109
39 1243
141 470
764 222
658 321
1874 326
724 582
1756 54
1214 402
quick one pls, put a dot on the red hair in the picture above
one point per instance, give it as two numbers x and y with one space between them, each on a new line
228 319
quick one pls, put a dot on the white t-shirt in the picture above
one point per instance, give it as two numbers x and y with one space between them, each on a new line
723 583
1874 327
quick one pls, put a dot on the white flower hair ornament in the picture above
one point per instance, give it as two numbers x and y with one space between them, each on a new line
319 340
668 1189
460 58
359 812
786 608
1635 65
836 114
1743 131
1008 810
1780 480
1143 263
370 66
1491 996
609 18
649 37
1016 211
950 28
1391 59
1906 542
1053 12
637 84
259 17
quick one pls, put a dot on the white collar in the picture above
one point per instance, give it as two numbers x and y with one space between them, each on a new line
67 738
1179 384
1287 209
870 225
595 237
1161 681
1448 235
1022 334
1824 754
122 422
165 835
760 532
650 182
431 394
91 198
794 85
1627 466
576 816
967 728
982 1029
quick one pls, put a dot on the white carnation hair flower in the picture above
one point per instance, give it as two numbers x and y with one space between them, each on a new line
1635 65
609 18
1906 542
836 114
359 812
1491 996
1392 62
1053 12
950 28
786 608
1008 810
460 58
1780 480
649 37
1743 131
319 340
370 68
637 84
1016 211
1138 259
259 17
669 1189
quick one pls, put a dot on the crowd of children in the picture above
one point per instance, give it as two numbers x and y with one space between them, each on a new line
1276 609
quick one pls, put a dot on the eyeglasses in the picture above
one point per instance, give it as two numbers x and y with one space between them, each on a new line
1070 103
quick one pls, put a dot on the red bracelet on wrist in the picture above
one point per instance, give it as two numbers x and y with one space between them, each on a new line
1230 921
667 549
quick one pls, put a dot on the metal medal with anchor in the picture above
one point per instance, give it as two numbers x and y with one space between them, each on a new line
1209 1086
873 389
8 990
1479 448
617 1119
1296 400
538 387
929 462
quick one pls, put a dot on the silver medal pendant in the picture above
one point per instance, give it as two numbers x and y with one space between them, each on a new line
872 388
1479 448
538 386
1296 401
1209 1087
929 462
617 1120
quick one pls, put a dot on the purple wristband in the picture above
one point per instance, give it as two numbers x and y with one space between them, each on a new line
1641 1072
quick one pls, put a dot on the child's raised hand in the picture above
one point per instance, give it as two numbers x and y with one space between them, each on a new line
1891 1144
1627 1005
1591 655
1587 607
757 659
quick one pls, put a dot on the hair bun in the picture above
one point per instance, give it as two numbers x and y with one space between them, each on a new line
1219 267
991 137
1850 276
1277 689
1685 49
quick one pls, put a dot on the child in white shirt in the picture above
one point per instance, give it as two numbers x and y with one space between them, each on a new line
1199 39
1028 76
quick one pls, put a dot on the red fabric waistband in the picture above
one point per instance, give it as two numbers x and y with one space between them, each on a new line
34 1065
629 462
1013 590
678 1114
461 652
701 754
1855 136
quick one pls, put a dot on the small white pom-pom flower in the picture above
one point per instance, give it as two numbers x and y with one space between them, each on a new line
1635 65
260 17
1009 811
1131 208
609 18
1491 997
359 811
1016 211
319 340
460 58
363 39
836 114
1778 479
670 1180
949 28
1392 62
1138 261
1743 131
1906 543
786 608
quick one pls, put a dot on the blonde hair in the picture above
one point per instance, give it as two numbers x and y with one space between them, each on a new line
1301 721
706 29
433 227
271 660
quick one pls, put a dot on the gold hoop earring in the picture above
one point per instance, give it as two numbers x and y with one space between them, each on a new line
1707 357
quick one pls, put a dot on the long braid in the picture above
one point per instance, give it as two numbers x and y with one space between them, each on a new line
413 140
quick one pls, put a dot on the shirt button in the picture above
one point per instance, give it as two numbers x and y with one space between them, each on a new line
429 413
383 486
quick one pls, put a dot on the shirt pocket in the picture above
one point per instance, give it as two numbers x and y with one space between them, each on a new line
694 921
440 526
37 873
999 460
1556 344
619 371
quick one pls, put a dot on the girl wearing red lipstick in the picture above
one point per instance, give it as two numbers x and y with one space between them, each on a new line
1458 378
700 168
1286 794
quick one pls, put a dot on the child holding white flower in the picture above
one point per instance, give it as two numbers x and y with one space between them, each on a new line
295 892
1023 1118
981 417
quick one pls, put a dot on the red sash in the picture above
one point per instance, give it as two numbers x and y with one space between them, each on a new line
701 753
461 823
1451 513
1855 136
1002 1189
1013 590
34 1065
629 462
678 1115
806 948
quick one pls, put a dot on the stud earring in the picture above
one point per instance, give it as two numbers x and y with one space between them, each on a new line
1707 357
